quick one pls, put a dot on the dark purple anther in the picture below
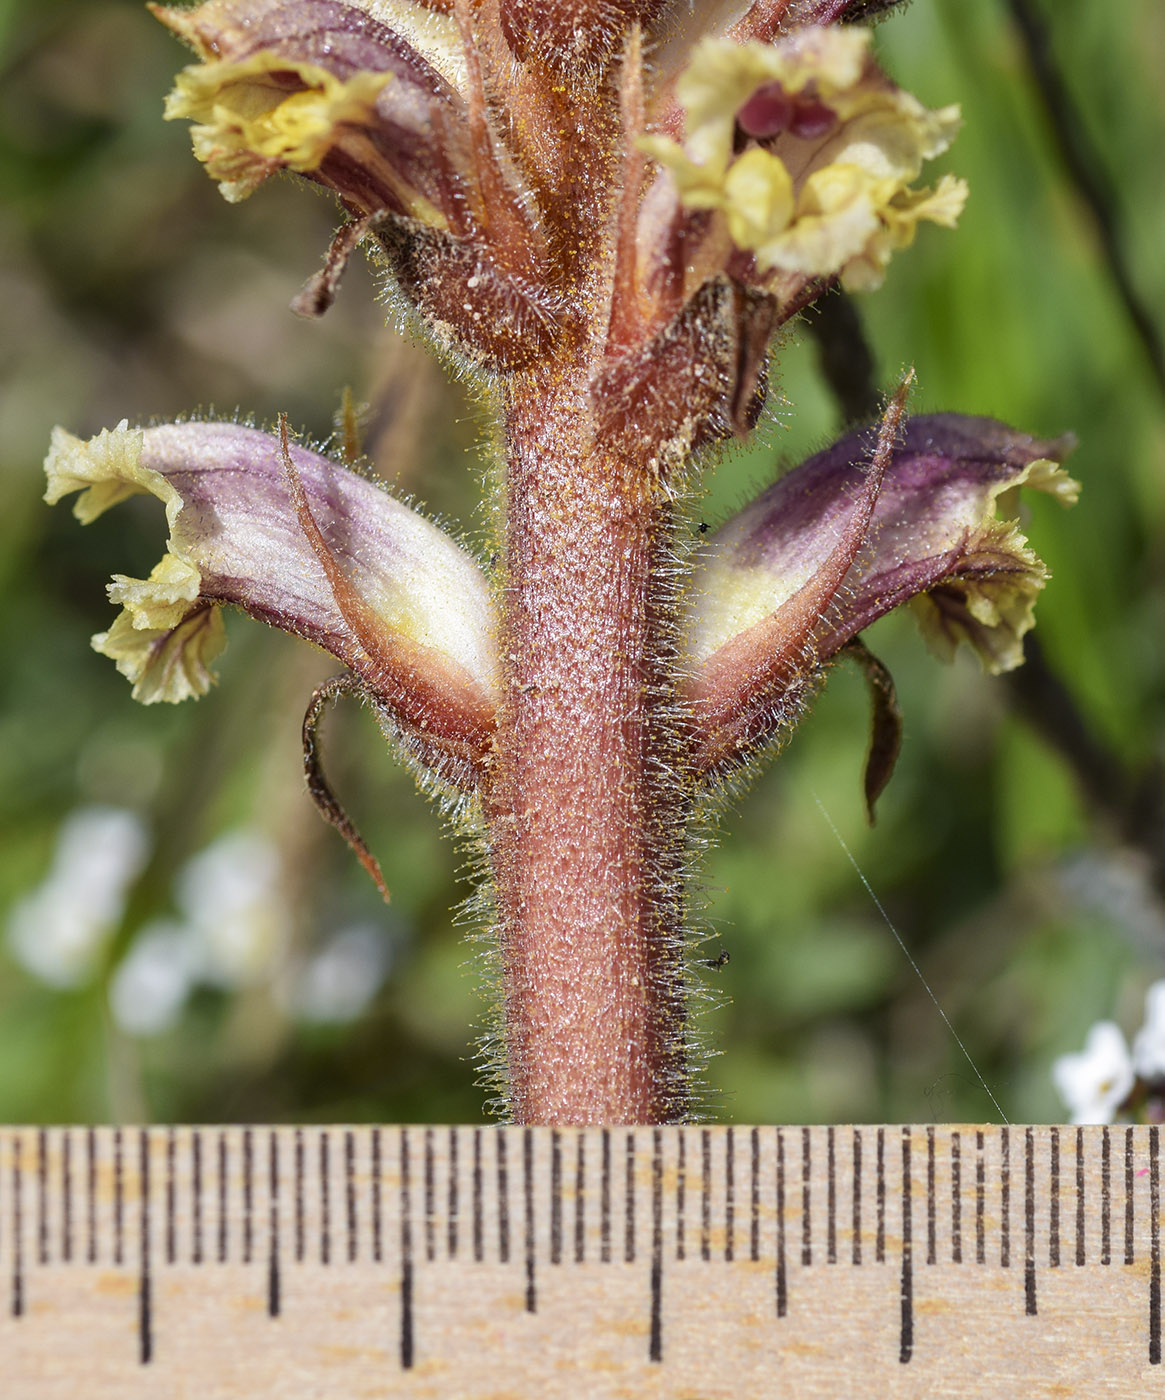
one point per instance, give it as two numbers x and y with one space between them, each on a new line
767 112
771 110
811 119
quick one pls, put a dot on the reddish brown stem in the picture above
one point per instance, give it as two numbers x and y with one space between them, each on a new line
625 324
585 809
424 691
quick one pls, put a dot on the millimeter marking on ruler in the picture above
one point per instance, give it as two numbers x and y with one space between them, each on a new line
446 1238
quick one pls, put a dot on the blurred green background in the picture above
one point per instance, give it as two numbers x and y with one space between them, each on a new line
182 939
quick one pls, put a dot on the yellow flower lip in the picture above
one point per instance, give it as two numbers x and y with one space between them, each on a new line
166 637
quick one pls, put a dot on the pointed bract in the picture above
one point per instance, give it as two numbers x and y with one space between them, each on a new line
933 538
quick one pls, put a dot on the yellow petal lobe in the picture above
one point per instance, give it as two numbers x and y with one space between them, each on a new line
164 639
267 113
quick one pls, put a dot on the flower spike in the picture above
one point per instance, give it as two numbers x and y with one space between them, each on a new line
602 211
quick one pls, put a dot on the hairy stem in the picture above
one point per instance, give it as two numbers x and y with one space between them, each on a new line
586 807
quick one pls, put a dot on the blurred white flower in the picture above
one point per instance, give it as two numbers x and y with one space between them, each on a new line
232 930
60 930
153 981
231 899
339 982
1094 1083
1149 1042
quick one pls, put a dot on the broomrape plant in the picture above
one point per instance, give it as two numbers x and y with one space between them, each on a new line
603 211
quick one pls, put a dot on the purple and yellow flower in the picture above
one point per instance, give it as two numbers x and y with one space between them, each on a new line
808 155
307 545
793 578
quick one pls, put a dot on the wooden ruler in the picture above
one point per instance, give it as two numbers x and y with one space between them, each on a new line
482 1263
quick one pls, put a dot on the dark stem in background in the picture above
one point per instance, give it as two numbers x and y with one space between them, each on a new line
1087 175
844 354
1132 805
